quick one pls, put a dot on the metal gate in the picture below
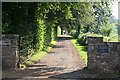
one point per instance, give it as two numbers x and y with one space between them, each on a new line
26 48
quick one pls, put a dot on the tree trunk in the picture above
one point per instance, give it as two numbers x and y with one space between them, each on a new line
78 31
87 29
56 32
61 31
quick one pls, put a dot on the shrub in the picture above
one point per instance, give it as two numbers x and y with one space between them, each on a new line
73 33
115 38
82 38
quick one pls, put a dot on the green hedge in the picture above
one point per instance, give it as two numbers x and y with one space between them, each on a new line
82 38
26 19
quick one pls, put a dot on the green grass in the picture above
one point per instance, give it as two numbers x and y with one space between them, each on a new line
40 54
81 49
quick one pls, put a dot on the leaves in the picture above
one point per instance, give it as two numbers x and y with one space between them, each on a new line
42 18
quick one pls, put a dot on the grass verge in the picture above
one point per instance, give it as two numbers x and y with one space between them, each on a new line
81 49
40 54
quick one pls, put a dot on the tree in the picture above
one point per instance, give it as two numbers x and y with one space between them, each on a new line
109 30
102 14
82 12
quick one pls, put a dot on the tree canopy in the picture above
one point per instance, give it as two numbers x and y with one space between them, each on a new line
43 18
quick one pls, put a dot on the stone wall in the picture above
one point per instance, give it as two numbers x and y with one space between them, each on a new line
103 56
10 51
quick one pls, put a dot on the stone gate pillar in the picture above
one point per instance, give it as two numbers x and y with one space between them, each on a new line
10 51
93 43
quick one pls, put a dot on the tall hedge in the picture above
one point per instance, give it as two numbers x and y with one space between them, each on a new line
28 19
